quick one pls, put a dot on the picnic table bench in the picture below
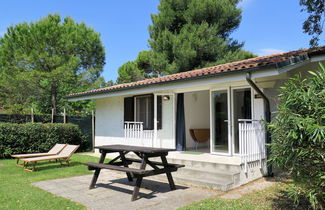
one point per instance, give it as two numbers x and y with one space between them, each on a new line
121 163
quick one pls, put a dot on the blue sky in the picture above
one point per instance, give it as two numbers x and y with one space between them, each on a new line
268 26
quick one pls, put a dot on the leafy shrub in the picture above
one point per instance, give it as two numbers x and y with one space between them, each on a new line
298 136
37 137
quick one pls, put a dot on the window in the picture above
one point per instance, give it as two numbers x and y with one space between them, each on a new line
144 111
141 109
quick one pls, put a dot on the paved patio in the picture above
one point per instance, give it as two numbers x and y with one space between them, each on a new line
113 191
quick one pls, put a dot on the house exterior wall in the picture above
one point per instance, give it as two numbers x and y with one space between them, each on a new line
258 107
110 123
166 135
197 114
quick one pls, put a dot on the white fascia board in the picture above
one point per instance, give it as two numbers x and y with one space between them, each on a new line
313 59
317 58
173 86
293 66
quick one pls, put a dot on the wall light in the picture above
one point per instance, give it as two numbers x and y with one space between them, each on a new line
166 98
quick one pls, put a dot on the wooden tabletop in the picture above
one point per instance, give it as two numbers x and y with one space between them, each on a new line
128 148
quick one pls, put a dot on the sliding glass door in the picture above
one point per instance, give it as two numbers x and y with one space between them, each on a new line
229 107
220 122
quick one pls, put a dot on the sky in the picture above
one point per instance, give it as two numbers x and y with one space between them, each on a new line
267 26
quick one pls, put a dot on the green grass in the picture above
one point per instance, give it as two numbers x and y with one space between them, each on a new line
274 197
17 192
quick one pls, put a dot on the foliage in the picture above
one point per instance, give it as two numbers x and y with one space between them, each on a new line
36 137
129 72
41 62
233 56
315 22
189 34
18 192
298 135
273 197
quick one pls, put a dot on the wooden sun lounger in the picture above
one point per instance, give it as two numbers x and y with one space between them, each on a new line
65 155
56 149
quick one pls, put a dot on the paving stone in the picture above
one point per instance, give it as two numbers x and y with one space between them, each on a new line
114 191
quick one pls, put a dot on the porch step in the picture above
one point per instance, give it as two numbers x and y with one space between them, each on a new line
218 176
200 165
213 176
193 181
204 183
206 166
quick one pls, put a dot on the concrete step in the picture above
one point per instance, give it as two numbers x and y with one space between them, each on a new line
212 176
204 178
204 183
200 165
206 166
222 186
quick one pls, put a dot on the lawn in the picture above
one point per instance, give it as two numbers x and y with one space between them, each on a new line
274 197
16 191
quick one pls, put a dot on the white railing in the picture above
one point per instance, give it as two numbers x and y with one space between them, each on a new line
251 141
135 135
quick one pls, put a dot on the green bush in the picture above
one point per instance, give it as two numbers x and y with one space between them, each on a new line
37 137
298 136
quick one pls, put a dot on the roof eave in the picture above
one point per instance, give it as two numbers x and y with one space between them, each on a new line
299 59
82 96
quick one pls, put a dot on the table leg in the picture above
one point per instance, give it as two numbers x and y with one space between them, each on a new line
169 174
126 165
138 182
97 171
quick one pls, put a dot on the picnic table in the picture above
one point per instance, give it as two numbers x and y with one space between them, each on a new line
121 163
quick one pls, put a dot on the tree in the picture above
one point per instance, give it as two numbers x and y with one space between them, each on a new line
42 62
129 72
298 136
315 22
190 34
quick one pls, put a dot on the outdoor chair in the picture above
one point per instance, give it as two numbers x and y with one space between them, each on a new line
56 149
64 155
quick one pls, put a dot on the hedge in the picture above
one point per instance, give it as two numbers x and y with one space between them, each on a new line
298 136
37 137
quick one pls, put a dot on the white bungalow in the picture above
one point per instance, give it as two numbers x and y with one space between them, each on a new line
224 107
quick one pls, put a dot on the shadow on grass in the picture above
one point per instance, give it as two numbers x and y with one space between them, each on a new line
42 166
283 201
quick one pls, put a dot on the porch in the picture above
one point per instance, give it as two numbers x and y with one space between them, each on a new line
210 171
232 155
228 116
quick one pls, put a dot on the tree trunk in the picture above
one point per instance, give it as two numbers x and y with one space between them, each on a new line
54 97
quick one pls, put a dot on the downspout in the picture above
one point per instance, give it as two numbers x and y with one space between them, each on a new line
267 117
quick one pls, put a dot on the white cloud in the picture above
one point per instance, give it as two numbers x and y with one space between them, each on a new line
244 3
268 51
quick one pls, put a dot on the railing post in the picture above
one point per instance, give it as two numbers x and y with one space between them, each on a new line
32 115
251 141
134 131
52 116
92 126
155 127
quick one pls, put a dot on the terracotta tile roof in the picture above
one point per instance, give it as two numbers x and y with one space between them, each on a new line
277 59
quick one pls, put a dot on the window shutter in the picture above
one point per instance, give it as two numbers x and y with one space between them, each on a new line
159 112
129 109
